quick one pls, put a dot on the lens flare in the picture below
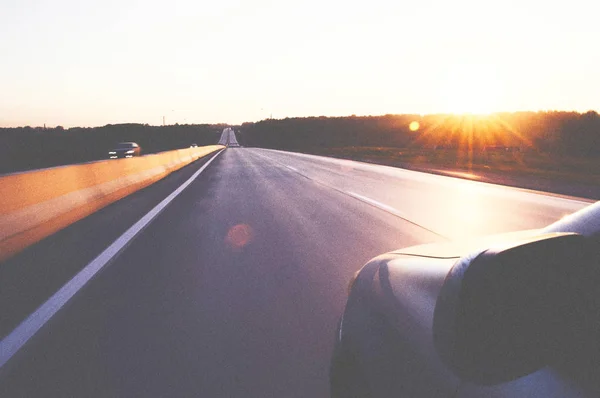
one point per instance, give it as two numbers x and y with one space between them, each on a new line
239 236
414 126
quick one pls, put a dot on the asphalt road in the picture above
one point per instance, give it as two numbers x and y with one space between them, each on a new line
235 289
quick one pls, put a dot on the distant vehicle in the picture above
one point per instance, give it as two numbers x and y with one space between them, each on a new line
514 315
125 150
194 146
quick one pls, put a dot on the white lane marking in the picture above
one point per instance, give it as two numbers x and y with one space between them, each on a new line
292 168
391 211
34 322
375 203
361 198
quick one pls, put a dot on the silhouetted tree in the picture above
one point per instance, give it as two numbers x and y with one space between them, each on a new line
26 148
567 133
559 133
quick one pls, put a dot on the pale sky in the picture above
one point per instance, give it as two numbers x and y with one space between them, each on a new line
84 63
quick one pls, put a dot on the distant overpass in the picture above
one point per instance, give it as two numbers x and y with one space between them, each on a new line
228 138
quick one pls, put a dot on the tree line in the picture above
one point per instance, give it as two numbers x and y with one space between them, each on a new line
25 148
563 133
560 133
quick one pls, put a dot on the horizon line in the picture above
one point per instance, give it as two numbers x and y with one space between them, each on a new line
472 114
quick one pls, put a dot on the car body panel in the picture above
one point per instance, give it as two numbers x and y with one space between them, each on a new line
456 249
387 327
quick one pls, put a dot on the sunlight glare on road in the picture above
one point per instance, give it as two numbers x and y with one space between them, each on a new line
346 166
468 209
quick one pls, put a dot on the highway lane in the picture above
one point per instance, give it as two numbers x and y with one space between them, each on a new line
236 288
228 138
452 207
224 140
29 278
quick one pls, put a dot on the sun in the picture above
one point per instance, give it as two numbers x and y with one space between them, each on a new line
471 90
414 125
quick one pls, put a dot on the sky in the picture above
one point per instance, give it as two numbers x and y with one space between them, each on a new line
90 63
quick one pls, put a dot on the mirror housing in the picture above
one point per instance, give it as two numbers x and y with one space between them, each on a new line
508 311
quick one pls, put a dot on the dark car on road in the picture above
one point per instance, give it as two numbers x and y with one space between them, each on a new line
125 150
514 315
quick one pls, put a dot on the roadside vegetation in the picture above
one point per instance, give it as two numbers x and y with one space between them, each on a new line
565 133
559 146
27 147
556 145
527 163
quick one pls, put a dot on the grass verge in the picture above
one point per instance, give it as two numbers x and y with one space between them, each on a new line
499 162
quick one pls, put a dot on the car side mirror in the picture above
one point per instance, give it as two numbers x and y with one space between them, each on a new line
508 311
